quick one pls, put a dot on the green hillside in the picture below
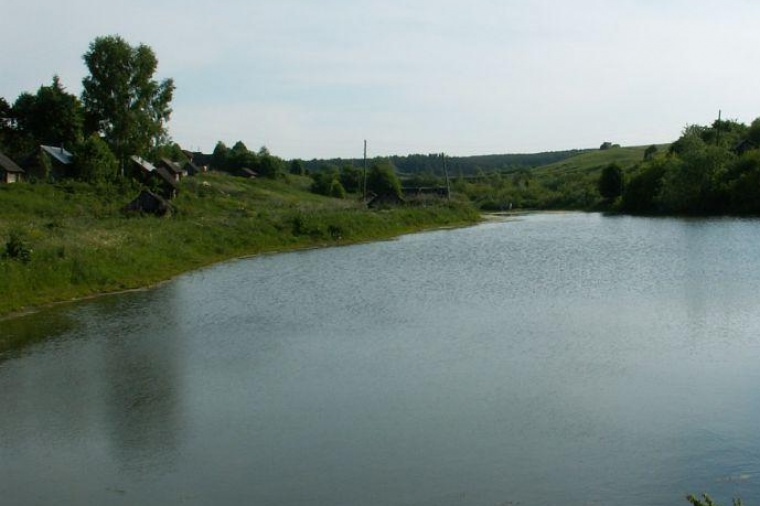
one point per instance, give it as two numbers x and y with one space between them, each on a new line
593 161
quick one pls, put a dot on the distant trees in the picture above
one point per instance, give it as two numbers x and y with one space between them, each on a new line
122 100
239 157
611 182
711 169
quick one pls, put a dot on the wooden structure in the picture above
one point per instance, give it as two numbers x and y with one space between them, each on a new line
9 171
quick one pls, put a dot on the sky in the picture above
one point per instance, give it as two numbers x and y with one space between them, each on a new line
315 78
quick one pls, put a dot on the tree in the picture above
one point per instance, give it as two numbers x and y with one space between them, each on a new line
297 168
382 179
94 161
269 165
122 100
650 153
611 182
5 123
220 157
51 116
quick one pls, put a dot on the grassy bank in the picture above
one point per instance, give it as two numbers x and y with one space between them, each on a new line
80 244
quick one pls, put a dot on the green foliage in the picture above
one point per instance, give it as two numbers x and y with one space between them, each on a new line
643 189
95 163
706 500
122 100
611 182
382 179
51 116
16 247
352 179
297 168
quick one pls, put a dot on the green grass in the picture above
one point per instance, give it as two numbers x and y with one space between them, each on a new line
595 161
83 245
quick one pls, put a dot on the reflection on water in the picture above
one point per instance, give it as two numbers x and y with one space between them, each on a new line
573 359
104 389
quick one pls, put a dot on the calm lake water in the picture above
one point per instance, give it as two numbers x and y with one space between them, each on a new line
551 359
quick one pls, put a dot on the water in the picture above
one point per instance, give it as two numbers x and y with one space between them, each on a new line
555 358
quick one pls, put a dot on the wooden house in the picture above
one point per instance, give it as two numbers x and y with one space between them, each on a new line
150 175
175 169
50 162
9 171
247 173
148 202
191 169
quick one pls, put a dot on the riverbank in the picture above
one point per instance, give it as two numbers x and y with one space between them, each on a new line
79 243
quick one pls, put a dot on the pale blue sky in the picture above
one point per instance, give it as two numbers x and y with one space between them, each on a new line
313 79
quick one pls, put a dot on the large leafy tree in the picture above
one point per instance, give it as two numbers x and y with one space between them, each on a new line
50 116
122 100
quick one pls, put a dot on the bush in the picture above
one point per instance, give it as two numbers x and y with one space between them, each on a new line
16 247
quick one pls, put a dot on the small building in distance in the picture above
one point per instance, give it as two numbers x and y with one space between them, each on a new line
49 163
10 172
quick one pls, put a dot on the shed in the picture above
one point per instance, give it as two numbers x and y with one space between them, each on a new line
174 168
192 169
148 202
250 174
9 171
167 182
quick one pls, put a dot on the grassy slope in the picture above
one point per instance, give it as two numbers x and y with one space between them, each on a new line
594 161
83 245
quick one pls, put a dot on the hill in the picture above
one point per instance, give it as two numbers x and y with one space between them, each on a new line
593 161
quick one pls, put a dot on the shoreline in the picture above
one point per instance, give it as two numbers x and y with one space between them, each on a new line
34 309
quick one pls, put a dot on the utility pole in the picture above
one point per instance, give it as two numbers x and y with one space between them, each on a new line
364 191
717 134
446 173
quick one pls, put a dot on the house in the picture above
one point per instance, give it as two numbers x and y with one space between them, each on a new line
9 171
151 175
140 167
247 173
191 169
388 199
49 162
174 168
169 185
148 202
744 146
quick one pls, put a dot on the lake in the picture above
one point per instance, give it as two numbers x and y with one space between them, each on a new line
547 359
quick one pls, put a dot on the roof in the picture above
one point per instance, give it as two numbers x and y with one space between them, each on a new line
167 177
60 154
172 166
9 165
144 164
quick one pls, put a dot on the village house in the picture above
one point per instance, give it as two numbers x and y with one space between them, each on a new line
49 162
151 175
173 168
9 171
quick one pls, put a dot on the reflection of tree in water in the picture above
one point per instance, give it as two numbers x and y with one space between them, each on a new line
141 394
18 334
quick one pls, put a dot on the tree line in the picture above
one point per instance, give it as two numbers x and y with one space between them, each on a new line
709 170
122 111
